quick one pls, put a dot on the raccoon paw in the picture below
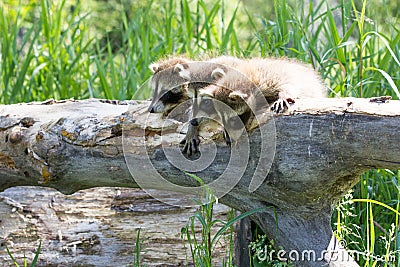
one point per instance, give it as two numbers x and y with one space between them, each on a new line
281 104
190 145
191 141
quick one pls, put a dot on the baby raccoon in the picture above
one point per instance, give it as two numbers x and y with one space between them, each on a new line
255 84
177 79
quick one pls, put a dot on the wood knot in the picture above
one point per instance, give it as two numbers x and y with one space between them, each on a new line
16 135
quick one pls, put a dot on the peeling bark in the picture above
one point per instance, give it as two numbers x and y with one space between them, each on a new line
322 146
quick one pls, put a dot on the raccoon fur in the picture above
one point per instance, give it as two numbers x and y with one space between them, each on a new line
274 79
256 83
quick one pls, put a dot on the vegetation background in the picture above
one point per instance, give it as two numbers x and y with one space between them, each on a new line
102 48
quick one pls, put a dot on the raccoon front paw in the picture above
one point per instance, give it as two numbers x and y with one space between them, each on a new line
191 145
191 141
281 104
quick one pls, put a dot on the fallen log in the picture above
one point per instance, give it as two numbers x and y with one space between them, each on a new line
95 227
315 154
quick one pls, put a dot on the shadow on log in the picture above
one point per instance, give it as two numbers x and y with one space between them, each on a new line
321 147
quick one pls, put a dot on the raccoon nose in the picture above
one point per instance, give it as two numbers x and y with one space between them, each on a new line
151 109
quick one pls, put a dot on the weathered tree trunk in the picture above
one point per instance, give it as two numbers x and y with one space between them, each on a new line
321 148
95 227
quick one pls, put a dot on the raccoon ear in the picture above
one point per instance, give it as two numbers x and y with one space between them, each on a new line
154 67
218 73
182 70
238 95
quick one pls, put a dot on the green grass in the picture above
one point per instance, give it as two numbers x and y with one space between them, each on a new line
25 264
360 61
47 59
202 246
368 219
137 251
59 58
49 50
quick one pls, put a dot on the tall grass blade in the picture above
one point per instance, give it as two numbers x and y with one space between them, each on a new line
388 79
35 259
371 235
229 32
231 222
12 258
335 35
385 42
137 249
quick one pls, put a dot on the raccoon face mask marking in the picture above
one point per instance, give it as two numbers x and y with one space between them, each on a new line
169 87
166 99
